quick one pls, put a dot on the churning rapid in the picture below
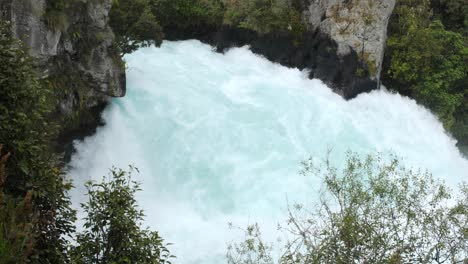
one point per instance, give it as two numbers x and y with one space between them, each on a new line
218 138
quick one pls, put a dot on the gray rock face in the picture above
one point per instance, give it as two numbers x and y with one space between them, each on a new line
360 25
73 46
27 26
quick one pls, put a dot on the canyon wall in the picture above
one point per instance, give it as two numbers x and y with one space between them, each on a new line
73 49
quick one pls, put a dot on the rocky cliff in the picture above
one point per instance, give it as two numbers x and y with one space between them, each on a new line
73 49
355 25
343 44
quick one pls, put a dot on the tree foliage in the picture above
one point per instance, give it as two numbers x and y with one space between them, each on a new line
141 22
112 230
253 250
25 132
134 25
432 63
17 220
453 13
429 63
184 14
265 16
372 211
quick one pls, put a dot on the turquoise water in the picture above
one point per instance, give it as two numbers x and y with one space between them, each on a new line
218 138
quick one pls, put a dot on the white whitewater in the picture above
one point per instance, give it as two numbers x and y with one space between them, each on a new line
219 138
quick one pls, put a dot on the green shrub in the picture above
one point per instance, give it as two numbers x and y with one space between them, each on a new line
264 16
17 219
371 211
183 14
428 63
453 13
25 104
134 25
113 232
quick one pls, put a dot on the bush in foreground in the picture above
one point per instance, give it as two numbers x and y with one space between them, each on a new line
372 211
112 230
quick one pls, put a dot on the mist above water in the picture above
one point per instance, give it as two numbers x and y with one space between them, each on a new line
219 138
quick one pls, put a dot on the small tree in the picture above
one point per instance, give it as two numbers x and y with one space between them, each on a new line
372 212
112 230
134 25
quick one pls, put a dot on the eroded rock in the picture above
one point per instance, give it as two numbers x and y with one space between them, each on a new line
359 25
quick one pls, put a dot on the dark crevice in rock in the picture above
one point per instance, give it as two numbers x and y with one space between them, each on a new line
87 127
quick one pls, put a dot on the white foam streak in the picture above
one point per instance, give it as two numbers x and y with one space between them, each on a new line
218 138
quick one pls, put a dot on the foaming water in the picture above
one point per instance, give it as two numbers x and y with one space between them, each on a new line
219 138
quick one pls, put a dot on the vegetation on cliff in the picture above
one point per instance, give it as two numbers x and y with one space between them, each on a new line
134 25
30 183
261 16
427 59
188 14
264 16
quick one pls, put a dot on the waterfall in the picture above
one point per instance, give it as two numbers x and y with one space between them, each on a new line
219 138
